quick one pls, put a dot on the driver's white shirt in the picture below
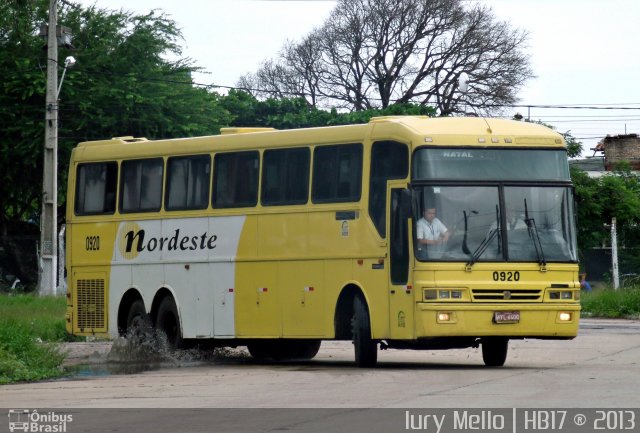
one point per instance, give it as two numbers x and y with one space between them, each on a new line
430 230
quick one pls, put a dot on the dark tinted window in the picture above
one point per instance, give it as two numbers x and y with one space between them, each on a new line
187 182
141 185
337 173
96 188
490 164
389 160
285 176
235 181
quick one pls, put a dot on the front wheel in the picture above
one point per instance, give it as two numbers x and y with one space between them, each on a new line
168 322
494 351
366 349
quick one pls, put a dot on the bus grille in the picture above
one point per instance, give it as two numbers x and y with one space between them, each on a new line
90 304
501 295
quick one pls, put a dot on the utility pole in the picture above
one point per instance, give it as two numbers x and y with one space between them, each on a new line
49 219
614 254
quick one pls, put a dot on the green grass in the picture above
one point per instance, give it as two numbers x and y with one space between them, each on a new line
621 303
28 326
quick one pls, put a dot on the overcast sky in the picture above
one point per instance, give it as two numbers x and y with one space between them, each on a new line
583 52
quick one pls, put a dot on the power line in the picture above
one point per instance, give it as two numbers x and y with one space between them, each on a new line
594 120
587 106
573 107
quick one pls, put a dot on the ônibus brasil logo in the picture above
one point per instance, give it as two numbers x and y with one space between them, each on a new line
32 421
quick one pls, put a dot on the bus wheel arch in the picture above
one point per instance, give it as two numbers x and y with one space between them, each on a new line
353 322
166 318
344 312
126 308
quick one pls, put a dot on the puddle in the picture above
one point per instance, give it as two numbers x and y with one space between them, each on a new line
150 351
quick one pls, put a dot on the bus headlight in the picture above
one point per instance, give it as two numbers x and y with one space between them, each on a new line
446 317
445 295
564 316
564 295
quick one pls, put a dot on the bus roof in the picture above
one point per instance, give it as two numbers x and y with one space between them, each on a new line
414 130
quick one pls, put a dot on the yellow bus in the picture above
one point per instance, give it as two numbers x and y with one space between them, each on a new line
405 233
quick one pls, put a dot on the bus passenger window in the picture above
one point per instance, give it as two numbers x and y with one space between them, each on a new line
96 188
235 179
337 173
389 160
285 177
141 185
188 182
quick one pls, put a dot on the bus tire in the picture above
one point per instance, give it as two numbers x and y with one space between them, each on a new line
168 322
259 351
283 350
494 351
305 349
138 323
366 349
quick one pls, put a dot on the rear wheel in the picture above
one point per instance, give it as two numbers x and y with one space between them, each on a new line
494 351
168 322
138 323
366 349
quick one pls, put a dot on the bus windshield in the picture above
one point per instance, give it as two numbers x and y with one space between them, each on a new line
474 224
490 164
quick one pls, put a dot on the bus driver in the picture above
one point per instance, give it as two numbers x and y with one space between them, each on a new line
431 231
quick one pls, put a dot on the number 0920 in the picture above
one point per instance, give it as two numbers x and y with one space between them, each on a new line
506 276
92 243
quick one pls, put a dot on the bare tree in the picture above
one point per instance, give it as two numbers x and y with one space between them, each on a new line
373 53
293 75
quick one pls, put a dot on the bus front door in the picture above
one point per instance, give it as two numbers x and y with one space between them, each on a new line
401 296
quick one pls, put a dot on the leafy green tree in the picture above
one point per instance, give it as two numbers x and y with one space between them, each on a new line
288 113
589 207
598 200
574 147
130 79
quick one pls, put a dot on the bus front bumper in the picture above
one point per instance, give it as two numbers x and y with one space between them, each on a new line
506 320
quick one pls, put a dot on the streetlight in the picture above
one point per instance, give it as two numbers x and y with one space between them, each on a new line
69 62
48 253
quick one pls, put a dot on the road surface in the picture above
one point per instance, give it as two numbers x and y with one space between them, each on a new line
599 368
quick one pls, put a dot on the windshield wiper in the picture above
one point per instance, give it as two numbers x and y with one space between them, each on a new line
499 229
481 248
485 242
465 247
535 237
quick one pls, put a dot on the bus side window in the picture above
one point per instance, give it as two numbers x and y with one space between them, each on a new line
188 182
96 188
285 177
337 173
389 160
235 179
141 185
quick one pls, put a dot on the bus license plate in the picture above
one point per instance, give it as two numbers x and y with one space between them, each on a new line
506 316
